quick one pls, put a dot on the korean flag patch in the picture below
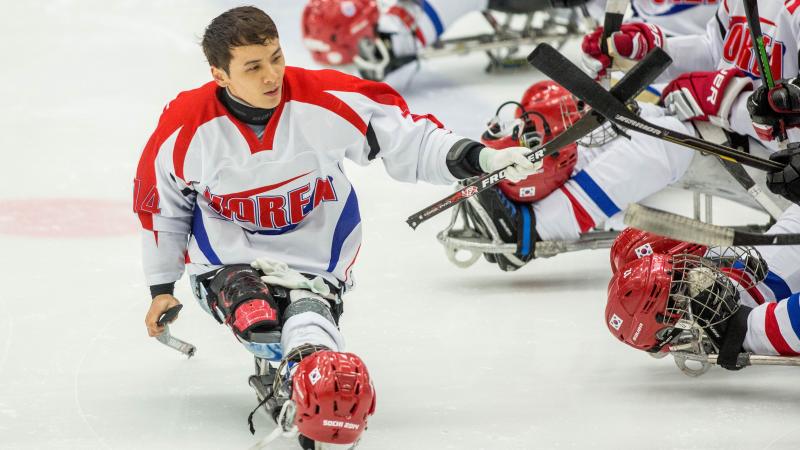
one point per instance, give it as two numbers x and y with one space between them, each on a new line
615 322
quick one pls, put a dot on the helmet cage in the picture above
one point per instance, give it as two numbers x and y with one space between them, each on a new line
701 295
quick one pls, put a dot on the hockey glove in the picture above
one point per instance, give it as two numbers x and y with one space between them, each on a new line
705 96
631 43
513 159
772 108
786 182
514 223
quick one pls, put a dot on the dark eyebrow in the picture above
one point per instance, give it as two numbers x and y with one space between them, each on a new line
254 61
276 51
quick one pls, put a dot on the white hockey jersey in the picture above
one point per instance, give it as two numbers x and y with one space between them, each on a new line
675 17
209 192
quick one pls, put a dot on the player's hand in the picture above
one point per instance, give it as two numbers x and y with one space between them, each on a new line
513 159
772 108
632 42
786 182
705 96
159 305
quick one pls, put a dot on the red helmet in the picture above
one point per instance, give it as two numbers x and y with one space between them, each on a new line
637 302
333 28
633 244
334 397
545 111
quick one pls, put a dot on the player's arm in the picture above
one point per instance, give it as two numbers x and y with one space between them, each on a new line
164 205
418 147
697 52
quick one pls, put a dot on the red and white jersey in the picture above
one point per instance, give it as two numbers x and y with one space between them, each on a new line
727 43
209 192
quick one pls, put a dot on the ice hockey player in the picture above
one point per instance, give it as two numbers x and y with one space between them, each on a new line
345 31
712 76
662 290
241 183
337 31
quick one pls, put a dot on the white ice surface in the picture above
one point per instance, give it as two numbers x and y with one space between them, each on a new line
462 359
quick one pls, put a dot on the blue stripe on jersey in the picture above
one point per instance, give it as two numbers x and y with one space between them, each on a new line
596 193
674 10
431 13
777 286
348 222
794 313
201 237
526 230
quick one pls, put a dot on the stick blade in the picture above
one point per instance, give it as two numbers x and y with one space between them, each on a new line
677 227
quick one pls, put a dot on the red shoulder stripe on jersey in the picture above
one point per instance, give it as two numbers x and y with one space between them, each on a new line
725 5
792 5
773 332
743 279
184 108
310 87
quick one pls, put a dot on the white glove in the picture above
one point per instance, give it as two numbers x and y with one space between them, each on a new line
279 274
513 159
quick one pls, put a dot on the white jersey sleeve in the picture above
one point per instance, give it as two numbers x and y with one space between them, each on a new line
701 52
413 147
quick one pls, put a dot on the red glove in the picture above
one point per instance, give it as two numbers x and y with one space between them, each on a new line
633 41
705 96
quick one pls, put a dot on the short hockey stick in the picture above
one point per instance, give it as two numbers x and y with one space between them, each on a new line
556 66
754 23
715 134
612 21
747 359
167 339
685 229
633 83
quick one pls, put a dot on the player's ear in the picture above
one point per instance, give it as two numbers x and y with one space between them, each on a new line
220 76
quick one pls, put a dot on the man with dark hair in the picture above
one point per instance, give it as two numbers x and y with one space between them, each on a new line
242 183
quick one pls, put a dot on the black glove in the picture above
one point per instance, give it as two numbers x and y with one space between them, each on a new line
772 109
786 182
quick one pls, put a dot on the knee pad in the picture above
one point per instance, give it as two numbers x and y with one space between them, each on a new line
246 304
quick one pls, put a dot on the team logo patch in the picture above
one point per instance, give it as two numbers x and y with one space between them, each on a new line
348 9
314 376
643 251
469 191
527 191
615 322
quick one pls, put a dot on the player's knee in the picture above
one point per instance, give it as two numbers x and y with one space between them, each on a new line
242 300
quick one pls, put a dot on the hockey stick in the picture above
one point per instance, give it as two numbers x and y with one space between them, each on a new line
754 23
167 339
556 66
717 135
633 83
612 22
747 359
685 229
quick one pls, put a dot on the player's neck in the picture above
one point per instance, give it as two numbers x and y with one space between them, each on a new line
242 110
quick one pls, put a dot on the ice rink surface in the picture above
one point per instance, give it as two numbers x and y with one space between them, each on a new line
461 359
